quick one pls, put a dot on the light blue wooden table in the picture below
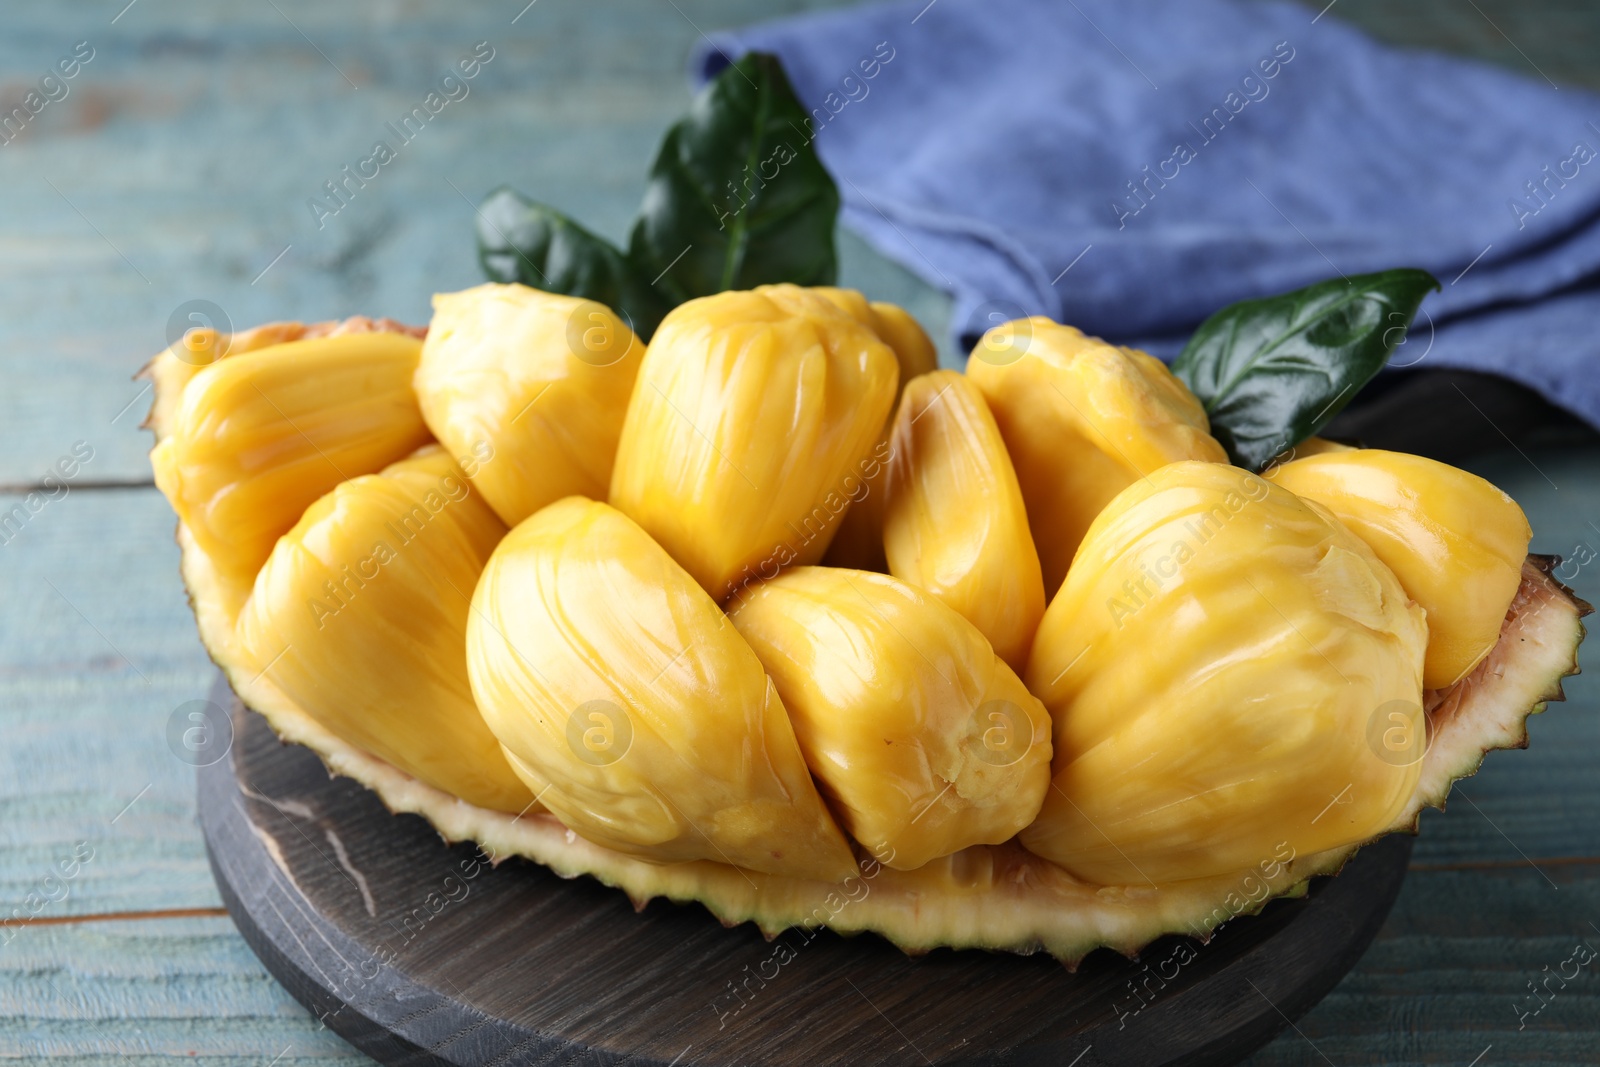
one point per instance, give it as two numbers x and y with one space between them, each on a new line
178 167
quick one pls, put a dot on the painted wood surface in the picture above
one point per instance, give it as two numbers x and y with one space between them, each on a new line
178 169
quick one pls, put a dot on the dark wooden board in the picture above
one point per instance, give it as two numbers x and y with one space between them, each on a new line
419 953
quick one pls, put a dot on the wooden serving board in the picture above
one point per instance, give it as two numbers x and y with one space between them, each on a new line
420 953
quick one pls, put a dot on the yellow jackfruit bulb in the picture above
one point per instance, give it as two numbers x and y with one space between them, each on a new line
900 331
1455 542
925 740
258 437
1231 673
750 431
954 522
533 387
1311 446
895 327
858 542
1082 420
360 617
626 700
200 346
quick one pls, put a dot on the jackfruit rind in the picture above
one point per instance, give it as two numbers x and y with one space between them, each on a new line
1489 708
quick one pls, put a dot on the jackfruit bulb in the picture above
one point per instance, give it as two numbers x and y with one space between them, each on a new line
750 428
360 617
1082 419
1455 541
528 389
257 437
926 741
955 524
858 542
632 708
1227 668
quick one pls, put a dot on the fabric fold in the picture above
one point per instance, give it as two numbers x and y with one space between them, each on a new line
1131 166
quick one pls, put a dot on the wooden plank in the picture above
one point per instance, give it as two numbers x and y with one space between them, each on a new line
205 114
1438 985
1448 976
152 992
91 579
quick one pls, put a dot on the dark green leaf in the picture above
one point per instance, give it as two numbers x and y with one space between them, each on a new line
1272 372
521 240
737 196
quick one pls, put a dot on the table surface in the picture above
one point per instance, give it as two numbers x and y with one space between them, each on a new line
179 167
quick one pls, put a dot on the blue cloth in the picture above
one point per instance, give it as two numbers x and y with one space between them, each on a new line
1203 152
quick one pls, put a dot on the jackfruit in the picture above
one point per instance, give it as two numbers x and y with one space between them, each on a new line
1455 542
631 707
750 430
757 799
1221 666
858 542
532 386
954 520
258 437
360 616
1082 420
924 739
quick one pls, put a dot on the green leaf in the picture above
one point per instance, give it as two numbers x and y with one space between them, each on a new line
522 240
1272 372
737 196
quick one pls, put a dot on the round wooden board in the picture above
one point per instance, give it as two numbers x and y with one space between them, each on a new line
420 953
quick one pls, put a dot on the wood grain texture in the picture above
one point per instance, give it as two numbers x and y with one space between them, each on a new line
97 651
154 992
181 164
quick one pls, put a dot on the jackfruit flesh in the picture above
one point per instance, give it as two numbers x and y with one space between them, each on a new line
954 523
360 616
1082 419
632 708
1455 541
1227 668
749 430
924 739
258 437
529 389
